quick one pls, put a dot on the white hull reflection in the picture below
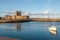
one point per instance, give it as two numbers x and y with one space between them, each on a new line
52 29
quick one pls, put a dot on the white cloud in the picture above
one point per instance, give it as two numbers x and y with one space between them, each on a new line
25 13
37 14
47 11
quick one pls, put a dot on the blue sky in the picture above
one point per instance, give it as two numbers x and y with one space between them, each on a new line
30 5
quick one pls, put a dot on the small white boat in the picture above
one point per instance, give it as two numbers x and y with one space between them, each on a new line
53 28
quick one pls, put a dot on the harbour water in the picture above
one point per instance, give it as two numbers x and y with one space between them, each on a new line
29 30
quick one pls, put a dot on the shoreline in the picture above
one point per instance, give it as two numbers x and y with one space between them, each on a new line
45 20
28 20
13 21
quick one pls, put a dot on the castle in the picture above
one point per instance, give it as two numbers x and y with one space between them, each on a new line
16 17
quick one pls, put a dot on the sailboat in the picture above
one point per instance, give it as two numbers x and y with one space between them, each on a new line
52 28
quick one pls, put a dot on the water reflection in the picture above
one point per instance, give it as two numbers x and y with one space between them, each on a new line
17 26
52 32
10 26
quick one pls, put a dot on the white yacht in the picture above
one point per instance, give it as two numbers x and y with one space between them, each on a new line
52 28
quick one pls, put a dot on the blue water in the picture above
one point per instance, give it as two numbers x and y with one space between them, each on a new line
29 30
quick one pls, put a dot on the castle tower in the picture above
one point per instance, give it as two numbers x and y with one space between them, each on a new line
16 13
